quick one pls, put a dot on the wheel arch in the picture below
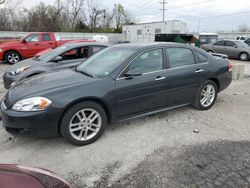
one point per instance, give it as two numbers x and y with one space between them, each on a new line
91 99
11 51
216 81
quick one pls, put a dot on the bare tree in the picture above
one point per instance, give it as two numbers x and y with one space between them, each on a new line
94 13
74 8
243 28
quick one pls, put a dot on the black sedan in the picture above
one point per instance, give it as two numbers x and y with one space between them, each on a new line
119 83
68 55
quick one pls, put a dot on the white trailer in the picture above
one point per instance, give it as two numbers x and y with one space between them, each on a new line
145 32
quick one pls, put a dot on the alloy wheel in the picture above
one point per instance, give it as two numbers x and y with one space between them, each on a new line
13 58
85 124
208 94
243 57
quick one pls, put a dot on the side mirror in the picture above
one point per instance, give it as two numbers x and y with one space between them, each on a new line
24 41
57 59
235 46
132 73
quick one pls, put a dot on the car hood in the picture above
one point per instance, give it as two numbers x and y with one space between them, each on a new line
50 81
7 44
28 62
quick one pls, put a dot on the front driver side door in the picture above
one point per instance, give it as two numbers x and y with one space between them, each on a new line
145 92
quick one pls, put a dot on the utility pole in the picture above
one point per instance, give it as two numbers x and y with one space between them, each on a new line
163 2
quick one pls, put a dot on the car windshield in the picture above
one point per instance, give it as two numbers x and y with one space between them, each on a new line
52 53
105 62
241 44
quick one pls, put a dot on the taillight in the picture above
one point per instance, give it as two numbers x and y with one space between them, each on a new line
230 67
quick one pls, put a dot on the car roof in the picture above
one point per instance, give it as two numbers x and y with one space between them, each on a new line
78 44
152 44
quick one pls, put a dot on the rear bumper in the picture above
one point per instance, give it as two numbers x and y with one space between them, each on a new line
43 124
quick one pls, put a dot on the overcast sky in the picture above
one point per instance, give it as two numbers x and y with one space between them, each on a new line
190 11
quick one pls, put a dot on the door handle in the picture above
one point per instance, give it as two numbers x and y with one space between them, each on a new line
160 78
199 70
36 44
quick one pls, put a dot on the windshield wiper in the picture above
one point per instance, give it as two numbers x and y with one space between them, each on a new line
84 72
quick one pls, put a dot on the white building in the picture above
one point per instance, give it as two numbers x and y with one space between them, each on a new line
145 32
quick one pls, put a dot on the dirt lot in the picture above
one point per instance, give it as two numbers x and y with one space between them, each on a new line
157 151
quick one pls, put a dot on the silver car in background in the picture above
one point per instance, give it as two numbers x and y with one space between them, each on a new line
232 48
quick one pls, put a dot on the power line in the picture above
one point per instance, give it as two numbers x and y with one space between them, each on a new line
163 2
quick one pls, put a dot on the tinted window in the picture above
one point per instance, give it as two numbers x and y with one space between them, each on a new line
219 43
97 48
77 53
230 44
238 38
46 37
180 57
149 61
32 38
201 58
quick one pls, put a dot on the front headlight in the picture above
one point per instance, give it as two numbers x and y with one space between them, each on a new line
32 104
1 50
19 70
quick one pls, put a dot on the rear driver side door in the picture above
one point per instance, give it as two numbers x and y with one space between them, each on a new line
144 92
185 75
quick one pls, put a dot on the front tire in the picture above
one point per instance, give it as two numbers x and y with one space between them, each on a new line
206 95
12 57
83 123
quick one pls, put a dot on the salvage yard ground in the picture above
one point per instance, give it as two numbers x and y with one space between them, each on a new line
161 150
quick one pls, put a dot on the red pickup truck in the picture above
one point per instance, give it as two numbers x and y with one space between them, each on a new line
13 52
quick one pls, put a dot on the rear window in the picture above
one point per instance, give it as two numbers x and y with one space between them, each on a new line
201 58
219 43
179 57
46 37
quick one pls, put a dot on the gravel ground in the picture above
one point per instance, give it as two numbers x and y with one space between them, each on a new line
161 150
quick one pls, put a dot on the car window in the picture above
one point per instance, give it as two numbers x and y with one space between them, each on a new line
238 38
201 58
106 61
32 38
97 48
46 37
219 43
230 44
180 57
149 61
77 53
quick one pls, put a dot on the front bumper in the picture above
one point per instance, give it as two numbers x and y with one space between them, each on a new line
8 80
43 124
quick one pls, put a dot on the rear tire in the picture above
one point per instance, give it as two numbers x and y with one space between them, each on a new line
83 123
244 56
206 95
12 57
210 51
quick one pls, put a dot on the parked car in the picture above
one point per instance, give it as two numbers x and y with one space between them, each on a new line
234 49
247 41
65 56
119 83
242 38
15 176
13 52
